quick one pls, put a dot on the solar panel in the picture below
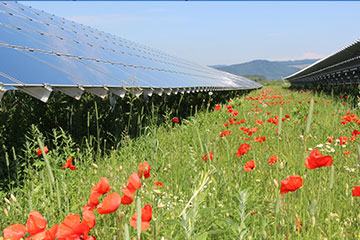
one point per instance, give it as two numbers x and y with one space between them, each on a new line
338 69
40 52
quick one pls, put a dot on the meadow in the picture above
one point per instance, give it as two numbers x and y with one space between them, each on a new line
276 163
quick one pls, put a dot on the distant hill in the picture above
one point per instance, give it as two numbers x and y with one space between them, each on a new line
271 70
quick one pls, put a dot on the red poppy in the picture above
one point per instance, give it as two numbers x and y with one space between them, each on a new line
287 116
39 152
128 197
49 234
343 140
101 187
89 218
243 149
144 170
249 165
205 157
217 107
158 184
68 164
346 153
36 223
72 228
110 203
225 133
146 216
331 139
228 107
92 203
235 113
175 120
273 159
259 122
260 139
315 160
356 191
298 225
291 184
355 133
134 183
14 232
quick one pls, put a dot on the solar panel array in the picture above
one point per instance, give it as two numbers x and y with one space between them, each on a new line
40 52
339 69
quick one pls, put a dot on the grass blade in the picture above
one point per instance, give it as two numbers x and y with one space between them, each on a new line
138 217
309 117
48 167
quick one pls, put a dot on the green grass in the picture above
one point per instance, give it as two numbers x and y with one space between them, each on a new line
217 199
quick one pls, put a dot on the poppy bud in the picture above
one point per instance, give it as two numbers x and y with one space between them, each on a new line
313 221
7 201
13 198
281 165
264 235
6 212
276 183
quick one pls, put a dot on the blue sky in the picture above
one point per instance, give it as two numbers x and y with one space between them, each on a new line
222 32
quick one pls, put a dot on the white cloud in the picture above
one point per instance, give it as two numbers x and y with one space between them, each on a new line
310 55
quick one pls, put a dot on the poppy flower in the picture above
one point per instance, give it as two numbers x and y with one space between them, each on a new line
355 133
36 223
92 203
353 138
315 160
144 170
146 216
273 159
287 116
228 107
234 113
259 122
14 232
217 107
49 234
158 184
346 153
101 187
175 120
343 140
249 166
356 191
331 139
134 183
68 164
110 203
89 218
243 149
72 228
298 225
128 197
225 133
205 157
260 139
291 184
39 152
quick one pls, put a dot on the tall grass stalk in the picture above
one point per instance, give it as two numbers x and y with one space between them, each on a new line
309 117
48 167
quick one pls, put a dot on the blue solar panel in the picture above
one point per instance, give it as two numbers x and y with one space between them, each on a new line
40 52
